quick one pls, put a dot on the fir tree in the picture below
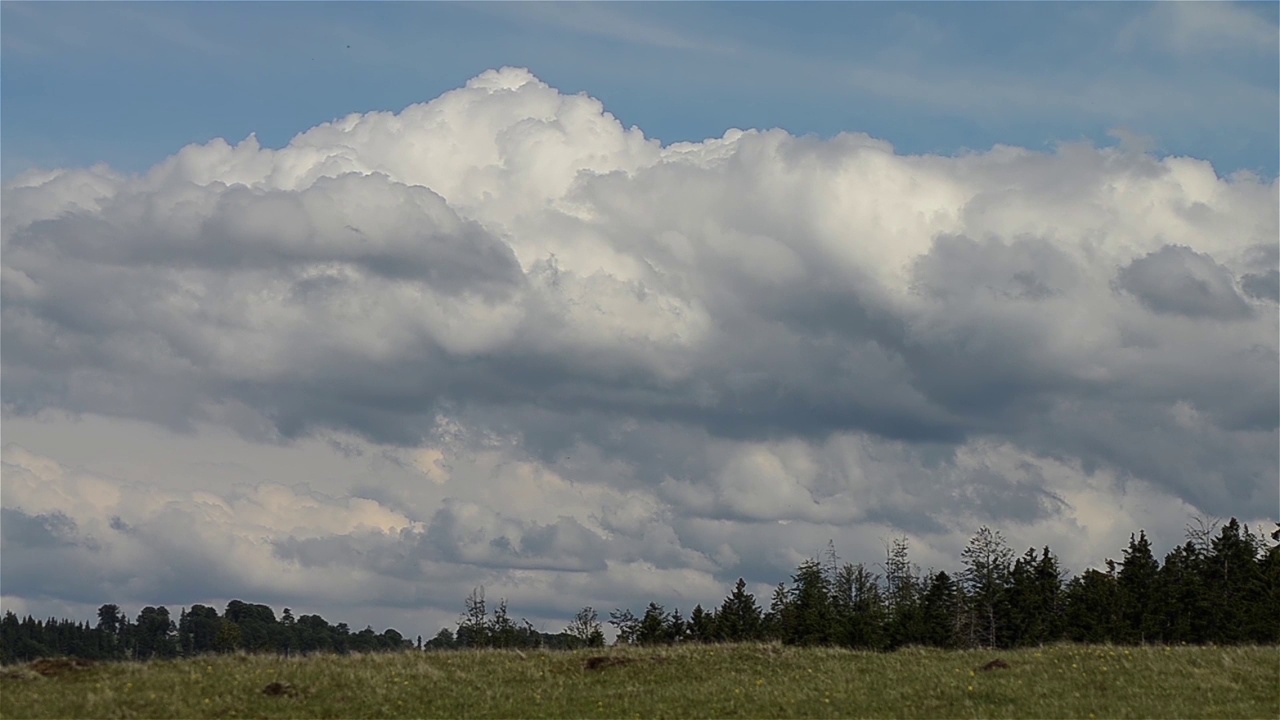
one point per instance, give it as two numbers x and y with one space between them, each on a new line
702 625
777 621
940 607
739 619
812 619
653 626
1139 593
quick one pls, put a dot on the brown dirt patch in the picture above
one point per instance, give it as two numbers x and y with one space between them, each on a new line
995 665
600 662
279 689
18 672
55 667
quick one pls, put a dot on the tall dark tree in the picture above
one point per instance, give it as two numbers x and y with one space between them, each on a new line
941 604
702 625
777 621
677 630
286 635
1140 599
257 624
1235 581
110 628
653 629
198 630
812 619
1093 607
1049 586
739 619
861 613
1267 607
1184 612
1034 599
155 634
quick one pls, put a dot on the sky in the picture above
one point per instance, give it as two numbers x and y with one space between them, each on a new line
353 308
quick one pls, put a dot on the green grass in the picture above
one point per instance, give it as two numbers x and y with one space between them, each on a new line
685 682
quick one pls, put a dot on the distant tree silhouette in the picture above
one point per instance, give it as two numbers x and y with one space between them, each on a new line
1222 585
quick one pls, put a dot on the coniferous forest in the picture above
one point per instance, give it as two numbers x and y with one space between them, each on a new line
1221 586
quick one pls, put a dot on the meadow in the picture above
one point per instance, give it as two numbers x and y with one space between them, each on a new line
690 681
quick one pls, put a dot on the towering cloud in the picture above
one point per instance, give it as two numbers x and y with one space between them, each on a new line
626 369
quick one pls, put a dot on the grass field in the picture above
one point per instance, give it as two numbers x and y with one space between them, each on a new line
683 682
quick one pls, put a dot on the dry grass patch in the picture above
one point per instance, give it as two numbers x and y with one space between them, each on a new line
749 681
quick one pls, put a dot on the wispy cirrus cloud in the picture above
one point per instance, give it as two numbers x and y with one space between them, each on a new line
1199 29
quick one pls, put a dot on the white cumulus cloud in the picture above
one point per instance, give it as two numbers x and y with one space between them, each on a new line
602 370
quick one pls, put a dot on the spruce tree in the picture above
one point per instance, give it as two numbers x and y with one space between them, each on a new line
940 607
677 630
1186 600
739 619
1093 607
1235 581
1049 577
777 621
812 617
865 628
653 626
1266 620
1139 593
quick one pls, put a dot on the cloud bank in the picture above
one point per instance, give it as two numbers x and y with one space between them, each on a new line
610 370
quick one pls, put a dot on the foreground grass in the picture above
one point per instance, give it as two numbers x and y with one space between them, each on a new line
685 682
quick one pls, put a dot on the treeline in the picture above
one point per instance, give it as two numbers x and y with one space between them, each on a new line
1221 586
479 628
154 634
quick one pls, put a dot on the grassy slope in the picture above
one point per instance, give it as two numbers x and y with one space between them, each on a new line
698 681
